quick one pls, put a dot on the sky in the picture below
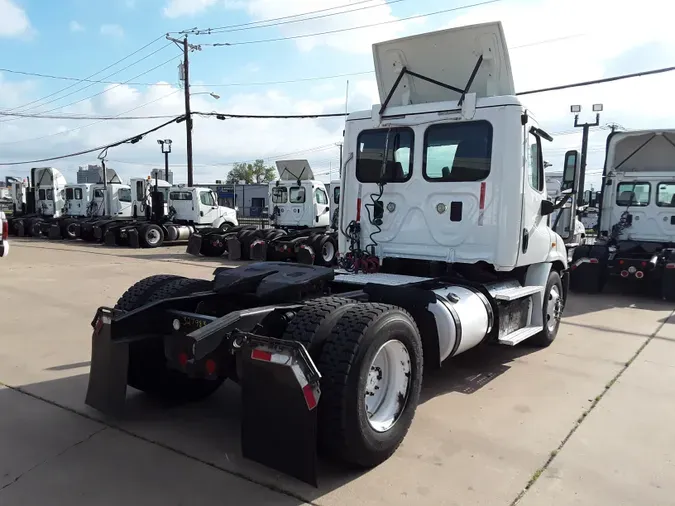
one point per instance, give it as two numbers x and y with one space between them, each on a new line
550 43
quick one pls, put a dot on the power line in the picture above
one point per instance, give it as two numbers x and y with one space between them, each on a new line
93 83
129 140
328 32
214 85
210 31
89 77
80 117
196 31
90 124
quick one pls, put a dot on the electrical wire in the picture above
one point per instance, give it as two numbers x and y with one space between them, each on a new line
210 31
84 117
101 92
196 30
371 25
90 124
92 75
214 85
129 140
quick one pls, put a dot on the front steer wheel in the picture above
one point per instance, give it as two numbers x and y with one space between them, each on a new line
372 375
552 311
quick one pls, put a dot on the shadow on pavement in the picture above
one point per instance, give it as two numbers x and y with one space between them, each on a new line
209 431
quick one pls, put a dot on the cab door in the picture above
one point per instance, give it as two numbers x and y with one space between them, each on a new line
535 236
321 207
208 209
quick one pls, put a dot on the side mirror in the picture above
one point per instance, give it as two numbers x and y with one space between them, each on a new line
570 171
547 207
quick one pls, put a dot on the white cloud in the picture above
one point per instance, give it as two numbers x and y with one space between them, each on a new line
356 41
178 8
13 20
74 26
112 30
216 143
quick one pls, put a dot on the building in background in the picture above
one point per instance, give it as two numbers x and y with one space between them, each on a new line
160 174
92 174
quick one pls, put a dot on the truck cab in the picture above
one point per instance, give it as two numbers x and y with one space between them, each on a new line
296 199
449 173
142 189
79 200
50 186
199 206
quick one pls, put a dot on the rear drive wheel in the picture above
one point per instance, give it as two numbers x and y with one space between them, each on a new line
552 311
69 230
152 236
312 325
372 377
140 292
148 369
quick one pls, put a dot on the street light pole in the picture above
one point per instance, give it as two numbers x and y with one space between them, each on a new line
576 109
166 149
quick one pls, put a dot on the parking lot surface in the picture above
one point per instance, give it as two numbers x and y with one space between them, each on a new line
587 421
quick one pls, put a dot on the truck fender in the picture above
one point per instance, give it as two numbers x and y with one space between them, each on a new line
218 222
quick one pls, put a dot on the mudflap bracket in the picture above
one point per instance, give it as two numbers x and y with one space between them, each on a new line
280 395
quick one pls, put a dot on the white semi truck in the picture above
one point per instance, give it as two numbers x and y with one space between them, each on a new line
44 200
443 206
300 215
636 236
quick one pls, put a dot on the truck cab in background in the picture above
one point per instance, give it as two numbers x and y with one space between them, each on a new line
636 236
296 199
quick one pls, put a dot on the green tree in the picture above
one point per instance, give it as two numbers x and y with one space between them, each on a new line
256 172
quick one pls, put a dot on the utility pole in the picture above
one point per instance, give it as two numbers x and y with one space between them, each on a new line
339 145
185 77
576 109
101 157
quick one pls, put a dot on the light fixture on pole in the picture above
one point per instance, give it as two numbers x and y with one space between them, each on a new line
210 93
166 149
576 109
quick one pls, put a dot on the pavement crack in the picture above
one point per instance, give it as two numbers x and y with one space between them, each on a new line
51 457
537 474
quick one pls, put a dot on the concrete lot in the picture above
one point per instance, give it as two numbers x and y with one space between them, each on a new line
587 421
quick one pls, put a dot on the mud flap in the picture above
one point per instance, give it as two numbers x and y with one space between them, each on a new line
109 239
305 255
259 250
107 389
21 229
132 235
54 232
279 416
233 249
194 246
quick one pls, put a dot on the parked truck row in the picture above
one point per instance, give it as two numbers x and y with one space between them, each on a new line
303 223
146 212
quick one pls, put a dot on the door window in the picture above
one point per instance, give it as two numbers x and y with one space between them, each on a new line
98 193
69 194
42 195
320 196
206 198
50 194
78 193
124 194
535 165
140 191
336 195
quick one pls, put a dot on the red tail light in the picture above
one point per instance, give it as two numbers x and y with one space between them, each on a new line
5 230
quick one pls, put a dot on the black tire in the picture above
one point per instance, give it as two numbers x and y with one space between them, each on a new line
548 335
344 430
152 236
312 325
148 370
326 251
68 229
224 227
139 293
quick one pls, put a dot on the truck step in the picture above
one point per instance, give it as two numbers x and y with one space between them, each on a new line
519 335
509 294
